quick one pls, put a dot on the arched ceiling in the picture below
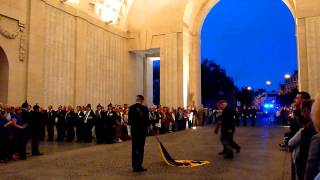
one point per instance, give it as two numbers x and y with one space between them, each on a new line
162 16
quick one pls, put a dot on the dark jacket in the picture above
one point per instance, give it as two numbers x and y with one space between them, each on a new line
139 119
36 122
313 158
227 122
306 135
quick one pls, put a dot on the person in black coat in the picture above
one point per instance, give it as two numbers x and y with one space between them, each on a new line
306 136
237 116
79 123
227 130
253 116
111 118
70 123
4 137
36 123
88 123
51 116
139 121
99 124
60 124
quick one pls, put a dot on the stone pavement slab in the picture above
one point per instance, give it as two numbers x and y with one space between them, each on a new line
260 158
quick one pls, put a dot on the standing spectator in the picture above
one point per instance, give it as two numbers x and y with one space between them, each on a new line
79 123
313 163
253 116
100 118
60 124
19 135
306 135
110 129
88 123
70 123
36 123
126 123
237 116
118 124
4 136
51 116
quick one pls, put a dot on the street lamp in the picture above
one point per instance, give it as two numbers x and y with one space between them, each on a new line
268 83
287 76
249 88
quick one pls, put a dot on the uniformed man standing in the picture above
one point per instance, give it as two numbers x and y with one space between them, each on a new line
50 123
35 124
60 124
79 124
70 123
139 121
88 123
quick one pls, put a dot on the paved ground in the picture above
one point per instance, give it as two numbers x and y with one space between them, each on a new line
259 158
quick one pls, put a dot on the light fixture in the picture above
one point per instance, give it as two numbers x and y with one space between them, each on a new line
268 83
287 76
249 88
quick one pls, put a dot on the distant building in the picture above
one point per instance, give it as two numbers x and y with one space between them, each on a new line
290 84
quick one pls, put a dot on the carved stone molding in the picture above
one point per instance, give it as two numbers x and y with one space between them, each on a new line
11 29
4 32
23 46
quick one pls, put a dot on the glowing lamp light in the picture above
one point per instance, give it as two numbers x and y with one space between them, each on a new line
268 83
70 1
194 127
154 58
108 10
287 76
249 88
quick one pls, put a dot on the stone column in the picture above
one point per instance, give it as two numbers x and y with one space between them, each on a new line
302 55
36 52
171 74
195 72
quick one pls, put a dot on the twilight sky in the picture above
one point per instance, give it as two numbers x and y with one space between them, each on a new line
253 40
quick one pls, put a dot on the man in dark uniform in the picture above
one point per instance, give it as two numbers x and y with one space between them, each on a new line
35 125
253 116
79 124
227 131
70 123
237 116
111 118
88 123
244 114
60 124
139 121
99 124
51 116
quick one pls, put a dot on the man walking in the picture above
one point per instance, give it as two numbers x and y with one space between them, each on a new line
139 121
227 131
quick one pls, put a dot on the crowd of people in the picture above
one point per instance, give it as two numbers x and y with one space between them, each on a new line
303 137
241 115
83 124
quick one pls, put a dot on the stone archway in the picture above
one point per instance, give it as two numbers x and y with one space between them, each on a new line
4 76
194 16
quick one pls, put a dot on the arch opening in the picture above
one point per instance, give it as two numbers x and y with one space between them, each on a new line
198 29
4 76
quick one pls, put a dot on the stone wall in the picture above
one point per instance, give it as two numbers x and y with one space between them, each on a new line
72 59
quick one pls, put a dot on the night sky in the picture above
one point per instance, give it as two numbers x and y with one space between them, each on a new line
253 40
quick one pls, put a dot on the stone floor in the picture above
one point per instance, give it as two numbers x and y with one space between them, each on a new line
260 158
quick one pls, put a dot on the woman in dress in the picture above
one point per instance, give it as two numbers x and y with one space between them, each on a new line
19 135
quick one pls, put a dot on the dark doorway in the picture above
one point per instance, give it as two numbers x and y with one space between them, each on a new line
156 82
4 76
